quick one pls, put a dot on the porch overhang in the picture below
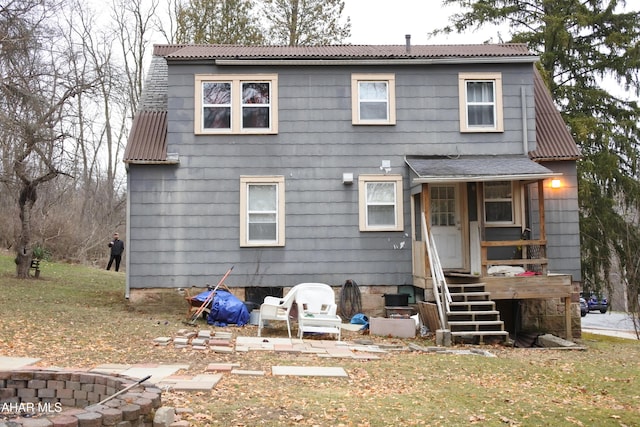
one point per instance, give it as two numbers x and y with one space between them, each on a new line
436 169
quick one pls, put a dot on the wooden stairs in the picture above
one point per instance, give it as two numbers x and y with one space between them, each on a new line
472 315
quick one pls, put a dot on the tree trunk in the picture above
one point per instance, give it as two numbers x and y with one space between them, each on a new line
24 253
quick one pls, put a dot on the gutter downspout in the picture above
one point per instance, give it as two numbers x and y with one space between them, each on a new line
525 140
128 238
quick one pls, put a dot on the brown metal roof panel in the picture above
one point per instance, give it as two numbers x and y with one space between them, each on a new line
553 139
148 138
340 51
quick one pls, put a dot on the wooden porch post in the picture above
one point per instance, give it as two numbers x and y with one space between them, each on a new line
543 232
426 208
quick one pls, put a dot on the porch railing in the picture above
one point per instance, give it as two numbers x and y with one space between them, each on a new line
531 254
440 288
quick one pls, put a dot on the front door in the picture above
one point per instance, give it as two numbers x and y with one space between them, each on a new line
445 208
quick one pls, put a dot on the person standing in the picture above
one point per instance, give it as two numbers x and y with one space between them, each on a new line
117 247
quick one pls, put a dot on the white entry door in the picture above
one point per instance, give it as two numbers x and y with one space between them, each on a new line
445 224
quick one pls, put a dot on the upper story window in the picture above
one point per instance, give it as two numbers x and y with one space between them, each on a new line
380 200
236 103
499 202
373 99
480 102
262 211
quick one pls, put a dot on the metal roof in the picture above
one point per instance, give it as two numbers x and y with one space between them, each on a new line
147 139
475 168
553 139
213 52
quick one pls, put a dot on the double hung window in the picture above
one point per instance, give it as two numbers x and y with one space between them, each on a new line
261 211
480 102
236 104
373 99
499 202
381 203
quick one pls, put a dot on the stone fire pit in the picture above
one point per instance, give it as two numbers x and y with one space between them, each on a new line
43 398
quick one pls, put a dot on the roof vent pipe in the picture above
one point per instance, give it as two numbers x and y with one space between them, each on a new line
408 40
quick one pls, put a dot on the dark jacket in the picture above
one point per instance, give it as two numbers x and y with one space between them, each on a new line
117 247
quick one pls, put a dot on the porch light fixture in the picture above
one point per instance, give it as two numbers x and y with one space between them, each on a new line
386 166
556 183
347 178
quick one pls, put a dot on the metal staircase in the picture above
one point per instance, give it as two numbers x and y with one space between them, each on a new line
466 310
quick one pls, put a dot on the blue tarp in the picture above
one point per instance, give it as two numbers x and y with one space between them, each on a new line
226 308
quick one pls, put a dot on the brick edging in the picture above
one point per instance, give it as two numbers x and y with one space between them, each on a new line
69 399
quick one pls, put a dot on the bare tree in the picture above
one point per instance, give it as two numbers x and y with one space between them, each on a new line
36 94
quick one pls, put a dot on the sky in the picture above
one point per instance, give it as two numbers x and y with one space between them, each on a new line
388 21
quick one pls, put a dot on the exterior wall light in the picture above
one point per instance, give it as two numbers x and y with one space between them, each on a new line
556 183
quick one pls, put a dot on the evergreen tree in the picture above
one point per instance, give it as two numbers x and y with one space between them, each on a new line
583 44
218 22
306 22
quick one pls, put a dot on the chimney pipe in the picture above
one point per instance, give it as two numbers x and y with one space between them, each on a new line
408 40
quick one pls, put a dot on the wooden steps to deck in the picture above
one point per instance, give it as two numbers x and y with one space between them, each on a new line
472 314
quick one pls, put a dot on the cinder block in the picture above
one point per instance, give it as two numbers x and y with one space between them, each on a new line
27 392
46 392
37 384
7 392
401 328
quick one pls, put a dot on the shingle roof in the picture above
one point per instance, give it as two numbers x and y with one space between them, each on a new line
553 139
475 168
193 52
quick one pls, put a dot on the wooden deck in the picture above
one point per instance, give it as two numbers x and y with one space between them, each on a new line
518 287
528 287
515 288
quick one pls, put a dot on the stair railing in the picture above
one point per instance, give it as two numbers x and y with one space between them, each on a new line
440 288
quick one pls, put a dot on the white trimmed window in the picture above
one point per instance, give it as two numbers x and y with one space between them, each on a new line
380 201
499 202
236 103
262 211
480 102
373 99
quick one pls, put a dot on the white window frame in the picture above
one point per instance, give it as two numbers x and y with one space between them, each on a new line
390 80
363 180
498 115
245 182
515 201
236 81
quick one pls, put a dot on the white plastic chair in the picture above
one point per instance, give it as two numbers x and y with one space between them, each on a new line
317 309
274 308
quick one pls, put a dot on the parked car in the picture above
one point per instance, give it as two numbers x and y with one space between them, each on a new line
584 307
597 303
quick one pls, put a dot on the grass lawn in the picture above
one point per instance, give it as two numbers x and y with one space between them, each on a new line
75 316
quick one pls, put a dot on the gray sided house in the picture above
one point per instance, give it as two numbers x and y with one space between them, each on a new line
329 163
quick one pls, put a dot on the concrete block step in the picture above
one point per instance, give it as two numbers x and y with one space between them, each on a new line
478 333
473 312
475 323
470 296
470 287
477 305
464 317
